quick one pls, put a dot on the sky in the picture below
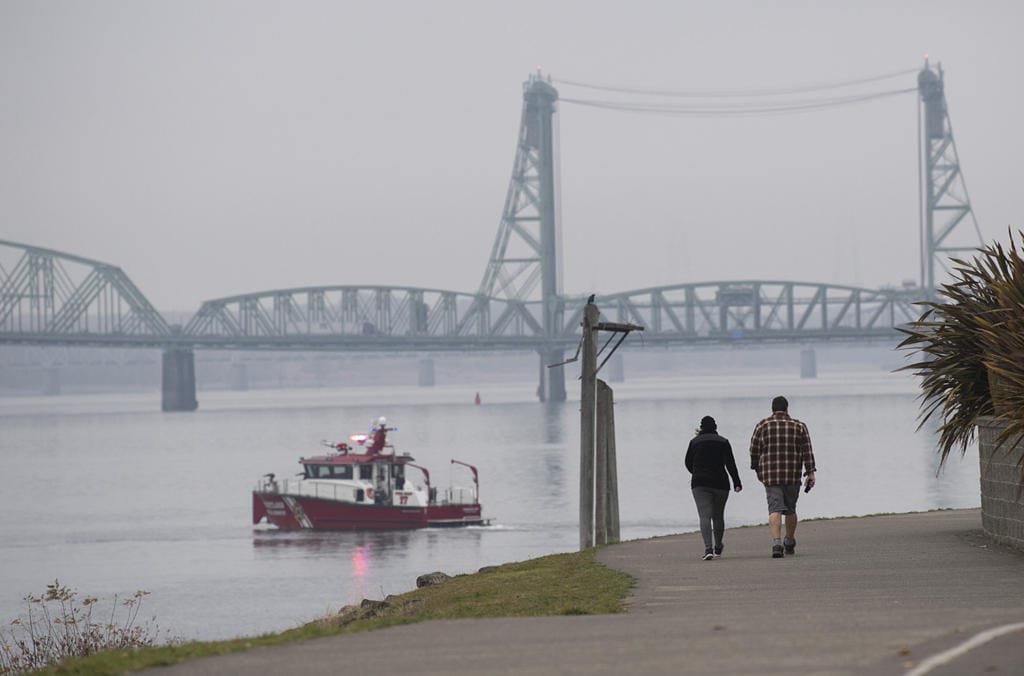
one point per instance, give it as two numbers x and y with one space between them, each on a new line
218 148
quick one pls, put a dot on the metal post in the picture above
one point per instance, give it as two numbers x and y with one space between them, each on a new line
588 376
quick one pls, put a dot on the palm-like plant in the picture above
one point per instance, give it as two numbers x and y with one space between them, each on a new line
970 340
1004 339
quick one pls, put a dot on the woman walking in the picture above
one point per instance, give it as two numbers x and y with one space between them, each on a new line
708 458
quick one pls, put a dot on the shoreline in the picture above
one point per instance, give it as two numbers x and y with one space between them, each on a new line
661 568
842 615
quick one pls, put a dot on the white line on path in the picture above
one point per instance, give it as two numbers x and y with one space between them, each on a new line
970 644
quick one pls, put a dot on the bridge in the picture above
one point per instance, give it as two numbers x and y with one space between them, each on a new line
49 297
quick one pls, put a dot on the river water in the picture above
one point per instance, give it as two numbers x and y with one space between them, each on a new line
110 495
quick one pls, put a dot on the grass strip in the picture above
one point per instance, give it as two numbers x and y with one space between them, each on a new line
560 584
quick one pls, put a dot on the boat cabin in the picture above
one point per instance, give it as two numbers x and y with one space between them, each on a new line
384 473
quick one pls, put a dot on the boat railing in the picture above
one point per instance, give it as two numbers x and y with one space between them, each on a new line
328 490
458 495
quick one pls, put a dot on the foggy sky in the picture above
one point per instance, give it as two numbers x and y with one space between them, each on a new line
217 148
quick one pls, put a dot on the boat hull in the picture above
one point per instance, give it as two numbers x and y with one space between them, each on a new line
447 516
295 512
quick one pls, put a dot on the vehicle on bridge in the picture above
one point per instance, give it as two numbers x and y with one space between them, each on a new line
364 489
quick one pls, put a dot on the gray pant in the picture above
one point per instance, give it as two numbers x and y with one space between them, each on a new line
711 510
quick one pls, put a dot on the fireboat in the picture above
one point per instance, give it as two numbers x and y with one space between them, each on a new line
368 488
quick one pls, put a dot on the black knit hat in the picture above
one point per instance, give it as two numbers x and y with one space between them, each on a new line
708 424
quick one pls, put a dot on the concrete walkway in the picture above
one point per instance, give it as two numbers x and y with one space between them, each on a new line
873 595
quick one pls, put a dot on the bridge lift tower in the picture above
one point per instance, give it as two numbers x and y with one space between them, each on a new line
944 204
527 252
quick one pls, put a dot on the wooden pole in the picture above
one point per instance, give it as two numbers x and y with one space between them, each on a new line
588 376
611 471
601 464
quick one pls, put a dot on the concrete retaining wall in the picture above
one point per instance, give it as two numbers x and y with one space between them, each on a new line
1002 502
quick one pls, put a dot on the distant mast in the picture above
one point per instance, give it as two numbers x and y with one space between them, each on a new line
525 261
944 204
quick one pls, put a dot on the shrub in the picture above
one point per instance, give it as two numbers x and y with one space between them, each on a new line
971 338
59 625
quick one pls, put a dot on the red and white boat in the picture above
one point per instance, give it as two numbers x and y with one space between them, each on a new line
353 488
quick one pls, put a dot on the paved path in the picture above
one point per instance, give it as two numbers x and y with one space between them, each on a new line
873 595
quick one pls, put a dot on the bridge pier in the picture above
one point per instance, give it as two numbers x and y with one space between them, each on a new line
51 381
179 380
239 376
426 376
551 381
808 363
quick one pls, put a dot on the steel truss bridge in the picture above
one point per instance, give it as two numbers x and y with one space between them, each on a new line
106 310
48 297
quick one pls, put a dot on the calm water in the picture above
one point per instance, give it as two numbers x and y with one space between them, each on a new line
110 495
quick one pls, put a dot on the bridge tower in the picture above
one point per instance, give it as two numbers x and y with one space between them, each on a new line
944 204
526 252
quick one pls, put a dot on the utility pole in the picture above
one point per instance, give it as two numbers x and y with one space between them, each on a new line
588 397
599 493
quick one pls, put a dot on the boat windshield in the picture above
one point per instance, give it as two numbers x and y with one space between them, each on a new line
328 471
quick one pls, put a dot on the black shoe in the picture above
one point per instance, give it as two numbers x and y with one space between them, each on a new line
708 554
790 547
718 550
777 552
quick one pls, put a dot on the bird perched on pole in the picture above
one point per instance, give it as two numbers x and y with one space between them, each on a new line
590 301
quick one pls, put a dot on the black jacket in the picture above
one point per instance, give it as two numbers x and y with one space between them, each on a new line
708 457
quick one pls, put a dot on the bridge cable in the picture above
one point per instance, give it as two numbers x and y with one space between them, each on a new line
738 102
735 93
718 110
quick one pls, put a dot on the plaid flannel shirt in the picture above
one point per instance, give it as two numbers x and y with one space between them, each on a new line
780 450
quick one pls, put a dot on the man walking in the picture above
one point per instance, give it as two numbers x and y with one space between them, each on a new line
780 452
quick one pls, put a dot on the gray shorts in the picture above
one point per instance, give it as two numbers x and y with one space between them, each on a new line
782 498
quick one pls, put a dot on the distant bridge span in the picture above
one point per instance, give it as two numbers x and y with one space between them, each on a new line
416 319
45 300
48 297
